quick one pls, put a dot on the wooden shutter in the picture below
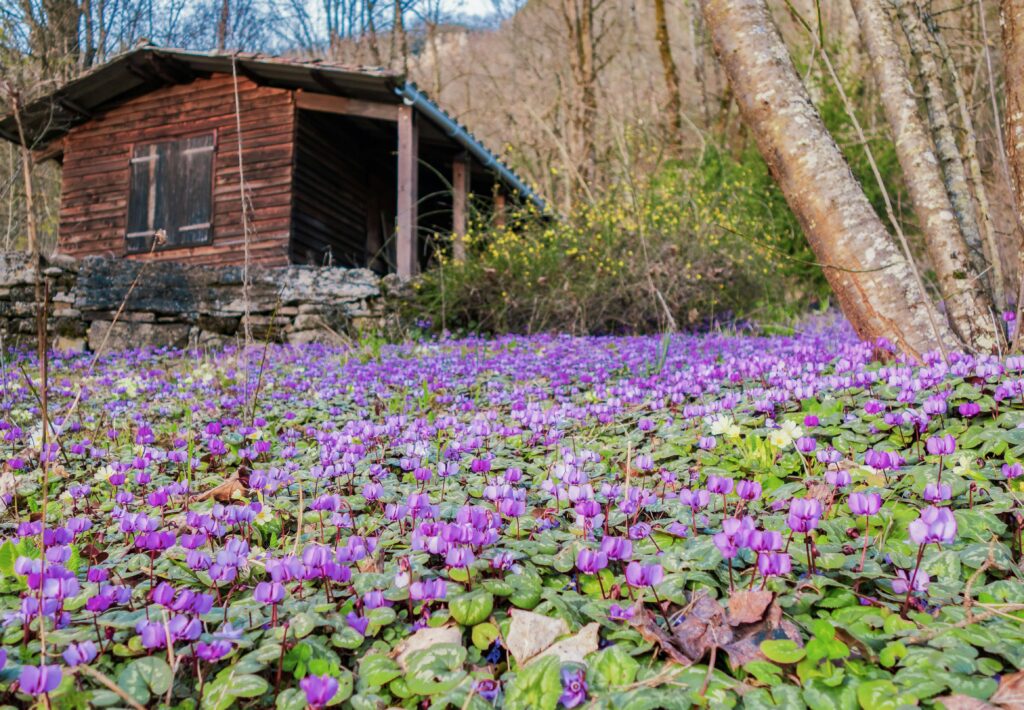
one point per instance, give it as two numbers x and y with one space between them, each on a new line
171 190
147 208
193 178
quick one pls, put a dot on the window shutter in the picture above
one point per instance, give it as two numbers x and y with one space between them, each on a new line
171 190
194 175
146 204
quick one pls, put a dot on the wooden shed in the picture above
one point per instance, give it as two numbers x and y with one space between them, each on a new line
160 149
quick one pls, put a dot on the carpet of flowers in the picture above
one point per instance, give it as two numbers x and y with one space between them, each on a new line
520 522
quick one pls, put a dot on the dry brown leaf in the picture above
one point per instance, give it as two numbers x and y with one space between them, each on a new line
651 632
748 606
963 702
425 638
530 633
746 644
1010 693
575 648
704 625
224 492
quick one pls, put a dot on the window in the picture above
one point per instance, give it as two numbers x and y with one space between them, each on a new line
171 190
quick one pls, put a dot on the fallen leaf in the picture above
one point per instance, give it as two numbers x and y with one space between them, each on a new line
704 625
748 606
1010 693
224 492
963 702
651 632
530 633
425 638
746 644
575 648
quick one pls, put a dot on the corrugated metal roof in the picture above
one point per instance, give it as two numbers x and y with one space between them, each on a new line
149 67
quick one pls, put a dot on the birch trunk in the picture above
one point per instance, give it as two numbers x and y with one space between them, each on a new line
942 130
967 303
874 284
1012 15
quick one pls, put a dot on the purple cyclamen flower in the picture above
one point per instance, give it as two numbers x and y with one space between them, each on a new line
618 613
941 445
574 687
36 680
638 575
80 654
864 503
937 492
707 443
804 514
806 444
935 525
591 562
617 548
968 410
213 651
720 485
487 688
748 490
269 592
1013 470
319 690
772 564
918 581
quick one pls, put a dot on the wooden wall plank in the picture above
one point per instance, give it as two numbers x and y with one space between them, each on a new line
95 176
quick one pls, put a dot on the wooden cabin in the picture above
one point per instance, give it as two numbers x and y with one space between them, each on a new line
161 148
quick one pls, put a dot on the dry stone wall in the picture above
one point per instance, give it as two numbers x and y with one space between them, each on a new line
182 305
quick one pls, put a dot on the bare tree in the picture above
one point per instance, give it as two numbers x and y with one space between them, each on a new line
968 304
874 283
674 106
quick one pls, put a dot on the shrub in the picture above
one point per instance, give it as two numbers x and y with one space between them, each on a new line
694 243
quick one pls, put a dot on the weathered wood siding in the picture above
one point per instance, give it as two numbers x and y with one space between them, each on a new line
340 175
94 204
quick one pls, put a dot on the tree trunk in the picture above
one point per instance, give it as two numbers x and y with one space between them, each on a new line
967 302
1012 14
668 69
874 284
399 43
578 16
222 24
945 140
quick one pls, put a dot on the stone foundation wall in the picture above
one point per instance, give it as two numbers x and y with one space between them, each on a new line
179 305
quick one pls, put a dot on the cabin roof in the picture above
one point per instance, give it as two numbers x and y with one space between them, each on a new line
149 67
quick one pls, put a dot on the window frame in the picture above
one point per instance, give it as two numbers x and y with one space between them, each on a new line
176 138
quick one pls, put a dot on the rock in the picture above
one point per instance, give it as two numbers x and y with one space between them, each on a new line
69 345
128 335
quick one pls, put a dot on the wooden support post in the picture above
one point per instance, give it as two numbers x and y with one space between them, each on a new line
460 206
407 259
499 208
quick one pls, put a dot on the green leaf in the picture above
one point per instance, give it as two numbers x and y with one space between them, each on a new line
483 635
471 608
378 670
144 676
301 625
436 669
526 592
291 699
7 557
612 667
536 687
878 695
247 685
782 651
893 651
